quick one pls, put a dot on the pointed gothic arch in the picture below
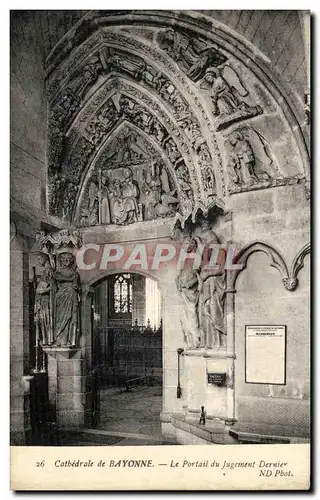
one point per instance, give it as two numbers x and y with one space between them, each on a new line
168 67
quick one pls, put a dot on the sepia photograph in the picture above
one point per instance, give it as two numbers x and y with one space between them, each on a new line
160 248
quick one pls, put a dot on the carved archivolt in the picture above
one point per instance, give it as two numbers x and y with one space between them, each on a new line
175 85
93 123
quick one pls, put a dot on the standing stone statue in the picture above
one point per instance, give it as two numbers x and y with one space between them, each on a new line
212 308
66 301
44 302
188 285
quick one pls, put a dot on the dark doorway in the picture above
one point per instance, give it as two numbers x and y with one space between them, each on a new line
127 355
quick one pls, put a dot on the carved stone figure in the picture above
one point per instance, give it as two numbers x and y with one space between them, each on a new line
123 200
86 76
202 290
212 305
133 66
186 198
44 302
66 301
204 154
192 55
191 129
188 285
226 92
95 131
104 209
152 190
158 131
57 183
89 215
131 149
172 150
242 165
209 181
83 80
69 197
160 200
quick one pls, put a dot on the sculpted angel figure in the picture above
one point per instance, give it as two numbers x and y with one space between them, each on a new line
226 90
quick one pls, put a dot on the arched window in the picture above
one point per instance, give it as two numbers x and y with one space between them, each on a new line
122 294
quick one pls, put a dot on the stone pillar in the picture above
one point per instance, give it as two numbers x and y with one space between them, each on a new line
20 426
69 387
230 318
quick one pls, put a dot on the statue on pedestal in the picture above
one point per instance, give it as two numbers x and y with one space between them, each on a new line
203 293
57 297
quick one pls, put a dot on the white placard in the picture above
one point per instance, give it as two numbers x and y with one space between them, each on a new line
265 354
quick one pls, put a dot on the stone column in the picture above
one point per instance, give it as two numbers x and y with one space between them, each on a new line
69 387
20 426
231 356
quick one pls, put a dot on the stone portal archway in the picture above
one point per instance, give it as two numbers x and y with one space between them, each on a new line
155 119
148 86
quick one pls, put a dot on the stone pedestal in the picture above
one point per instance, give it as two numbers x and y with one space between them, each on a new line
69 388
214 394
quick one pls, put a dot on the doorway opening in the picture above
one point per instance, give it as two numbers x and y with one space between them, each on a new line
127 357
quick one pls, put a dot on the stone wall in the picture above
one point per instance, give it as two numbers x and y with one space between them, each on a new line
261 298
28 199
28 118
272 208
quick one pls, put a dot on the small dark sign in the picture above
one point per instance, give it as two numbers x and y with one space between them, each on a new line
217 378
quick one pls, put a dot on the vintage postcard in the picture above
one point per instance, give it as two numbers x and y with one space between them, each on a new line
160 249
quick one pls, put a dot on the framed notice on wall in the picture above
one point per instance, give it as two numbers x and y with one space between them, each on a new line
265 358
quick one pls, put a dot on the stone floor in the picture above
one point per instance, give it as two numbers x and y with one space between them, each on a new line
133 416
